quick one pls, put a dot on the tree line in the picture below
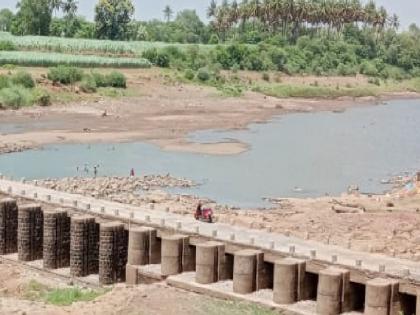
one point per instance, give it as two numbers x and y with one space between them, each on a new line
290 16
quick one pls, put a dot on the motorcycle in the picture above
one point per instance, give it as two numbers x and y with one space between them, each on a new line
205 216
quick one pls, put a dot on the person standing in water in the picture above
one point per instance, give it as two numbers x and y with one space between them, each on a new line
132 173
95 171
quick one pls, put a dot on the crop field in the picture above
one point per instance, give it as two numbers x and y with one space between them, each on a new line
84 46
42 59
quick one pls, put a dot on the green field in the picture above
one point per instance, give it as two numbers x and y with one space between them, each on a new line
41 59
84 46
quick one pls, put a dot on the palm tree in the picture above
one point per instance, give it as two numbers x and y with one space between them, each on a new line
211 10
69 7
168 13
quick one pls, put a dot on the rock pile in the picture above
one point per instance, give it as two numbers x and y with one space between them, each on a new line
13 147
120 189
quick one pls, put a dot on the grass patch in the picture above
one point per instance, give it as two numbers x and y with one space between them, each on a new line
36 291
68 296
309 91
235 308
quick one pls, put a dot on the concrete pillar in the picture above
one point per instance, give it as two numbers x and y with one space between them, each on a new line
382 297
8 226
56 248
289 278
333 291
172 248
131 274
177 255
30 232
84 246
113 244
210 262
143 246
245 271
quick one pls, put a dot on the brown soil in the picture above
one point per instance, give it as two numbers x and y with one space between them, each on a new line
17 297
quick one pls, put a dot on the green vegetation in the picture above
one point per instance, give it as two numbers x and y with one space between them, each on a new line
65 75
295 37
217 307
83 46
62 297
18 90
90 82
40 59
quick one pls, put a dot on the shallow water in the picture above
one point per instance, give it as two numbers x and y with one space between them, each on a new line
297 155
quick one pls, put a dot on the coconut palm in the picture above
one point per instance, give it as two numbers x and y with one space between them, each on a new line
168 13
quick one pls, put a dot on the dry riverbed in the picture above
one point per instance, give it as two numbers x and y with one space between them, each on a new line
388 224
162 112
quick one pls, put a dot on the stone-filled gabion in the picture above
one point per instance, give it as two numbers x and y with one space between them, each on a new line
8 226
84 246
113 246
30 232
56 239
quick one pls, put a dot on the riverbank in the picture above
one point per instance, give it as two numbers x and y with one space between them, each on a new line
164 112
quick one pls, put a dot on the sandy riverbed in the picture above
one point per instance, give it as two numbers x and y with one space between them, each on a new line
160 113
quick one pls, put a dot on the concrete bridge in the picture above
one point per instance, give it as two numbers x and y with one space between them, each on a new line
338 279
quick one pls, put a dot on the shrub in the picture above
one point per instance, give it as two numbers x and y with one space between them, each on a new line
14 97
189 74
278 58
266 76
116 79
4 81
100 79
374 81
24 79
88 84
214 39
150 54
368 68
9 66
41 97
65 74
7 45
162 60
203 74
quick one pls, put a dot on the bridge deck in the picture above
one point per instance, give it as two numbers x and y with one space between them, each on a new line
407 271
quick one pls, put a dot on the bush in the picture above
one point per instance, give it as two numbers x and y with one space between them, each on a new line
100 79
9 66
4 81
203 74
7 45
116 79
368 68
266 77
14 97
41 98
24 79
214 39
150 54
374 81
88 85
189 74
65 74
162 60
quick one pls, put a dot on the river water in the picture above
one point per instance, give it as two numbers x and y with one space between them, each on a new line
298 155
